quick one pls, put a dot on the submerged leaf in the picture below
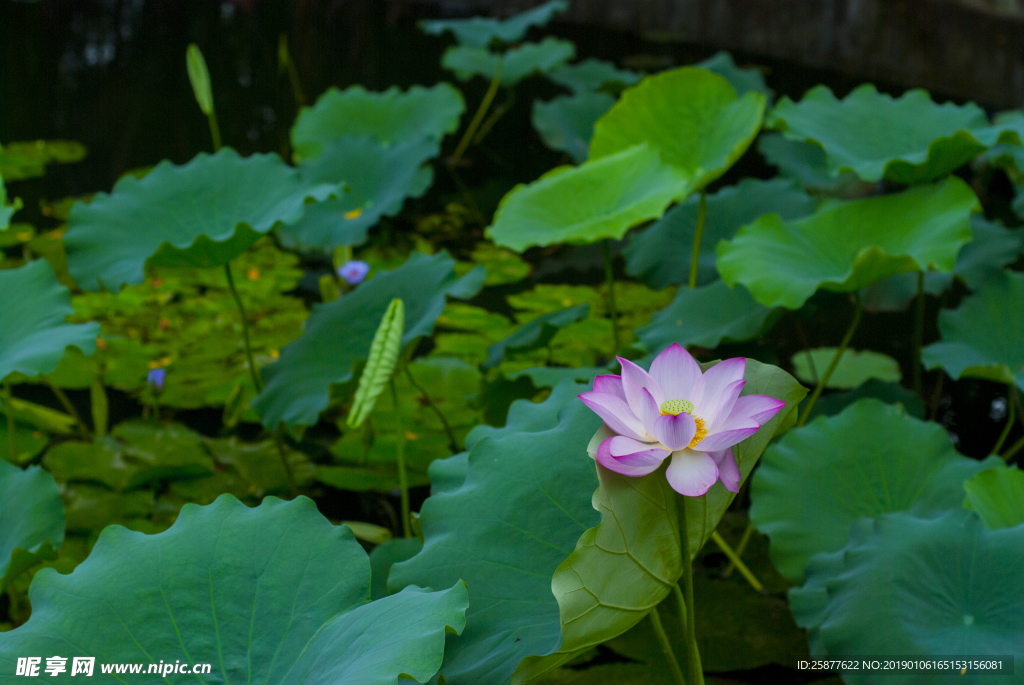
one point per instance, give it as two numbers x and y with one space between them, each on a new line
389 117
602 198
845 246
535 333
869 460
380 363
202 214
982 337
692 117
339 334
35 332
274 593
28 159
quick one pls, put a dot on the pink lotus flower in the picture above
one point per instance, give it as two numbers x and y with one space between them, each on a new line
677 410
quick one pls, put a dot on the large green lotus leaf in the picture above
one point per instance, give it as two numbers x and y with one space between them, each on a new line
807 164
339 334
997 496
480 31
378 177
917 586
202 214
516 63
526 485
909 139
31 518
845 246
706 316
626 565
982 337
601 198
274 594
610 674
744 80
690 115
389 116
661 255
992 248
35 333
28 159
854 368
592 75
566 123
869 460
384 556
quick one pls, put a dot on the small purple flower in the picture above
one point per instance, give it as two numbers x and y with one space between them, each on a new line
156 378
354 271
677 411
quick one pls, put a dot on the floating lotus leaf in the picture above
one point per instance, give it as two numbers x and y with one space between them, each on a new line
592 75
31 519
626 566
691 116
806 163
909 139
566 123
854 369
661 254
378 179
869 460
389 116
202 214
480 31
997 496
526 485
516 63
339 334
744 80
29 443
275 594
35 332
912 586
600 199
845 246
982 337
890 393
22 160
705 316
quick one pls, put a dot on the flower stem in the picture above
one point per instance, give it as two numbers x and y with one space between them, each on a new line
666 647
702 210
742 545
214 130
1013 449
696 673
453 444
1011 408
609 274
403 479
253 370
736 561
83 432
478 118
12 439
918 332
832 366
283 454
